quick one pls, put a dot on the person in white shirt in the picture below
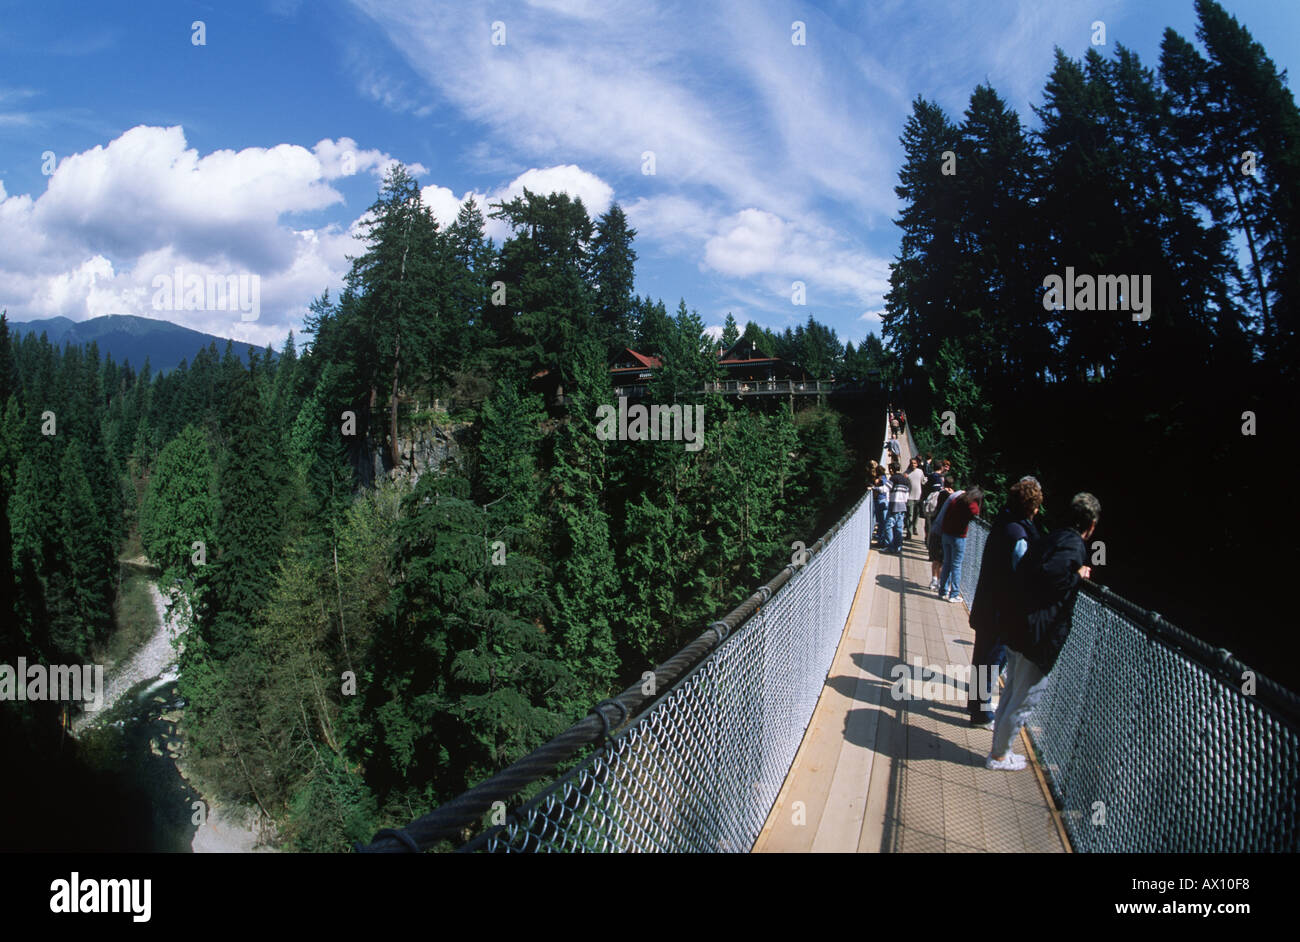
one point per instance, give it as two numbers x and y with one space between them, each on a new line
915 478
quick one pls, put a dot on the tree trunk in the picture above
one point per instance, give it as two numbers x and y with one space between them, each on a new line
392 426
338 588
1254 258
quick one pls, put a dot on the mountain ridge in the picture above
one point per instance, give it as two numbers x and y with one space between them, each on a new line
134 339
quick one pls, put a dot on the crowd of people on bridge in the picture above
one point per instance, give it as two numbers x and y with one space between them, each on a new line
1024 596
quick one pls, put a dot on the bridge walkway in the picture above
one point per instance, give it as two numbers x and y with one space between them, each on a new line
879 774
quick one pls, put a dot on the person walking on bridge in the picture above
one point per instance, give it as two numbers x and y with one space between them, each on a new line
1047 583
994 607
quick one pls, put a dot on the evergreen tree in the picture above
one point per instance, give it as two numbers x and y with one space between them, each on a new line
613 271
547 315
584 582
178 508
730 332
919 307
395 283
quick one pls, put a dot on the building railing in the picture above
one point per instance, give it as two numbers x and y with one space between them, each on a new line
783 387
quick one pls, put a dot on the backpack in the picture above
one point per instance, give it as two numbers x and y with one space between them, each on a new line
932 504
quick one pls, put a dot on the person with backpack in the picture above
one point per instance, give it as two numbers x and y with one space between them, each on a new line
994 606
959 511
934 506
933 485
1047 582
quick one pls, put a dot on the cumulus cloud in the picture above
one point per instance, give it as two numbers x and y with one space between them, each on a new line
750 243
117 218
596 195
343 157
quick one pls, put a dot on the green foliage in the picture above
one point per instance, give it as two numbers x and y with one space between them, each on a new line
179 506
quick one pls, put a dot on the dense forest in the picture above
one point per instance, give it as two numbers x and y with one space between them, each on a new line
1178 422
371 633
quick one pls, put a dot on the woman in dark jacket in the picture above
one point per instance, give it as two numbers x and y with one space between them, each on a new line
1012 534
1046 583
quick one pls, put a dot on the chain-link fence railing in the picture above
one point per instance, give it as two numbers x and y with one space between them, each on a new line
701 768
1152 741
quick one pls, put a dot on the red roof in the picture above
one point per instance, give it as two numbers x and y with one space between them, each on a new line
647 362
643 359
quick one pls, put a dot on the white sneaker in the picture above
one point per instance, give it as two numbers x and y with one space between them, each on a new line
954 598
934 583
1011 762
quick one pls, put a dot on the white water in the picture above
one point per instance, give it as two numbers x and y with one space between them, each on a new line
224 830
155 660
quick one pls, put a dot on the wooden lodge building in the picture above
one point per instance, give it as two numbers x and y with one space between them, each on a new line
743 366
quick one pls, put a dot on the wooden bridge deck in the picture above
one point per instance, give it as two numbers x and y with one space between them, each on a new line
876 774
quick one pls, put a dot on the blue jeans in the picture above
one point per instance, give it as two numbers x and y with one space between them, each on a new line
879 519
954 548
894 531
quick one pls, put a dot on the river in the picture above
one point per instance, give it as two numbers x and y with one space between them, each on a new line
138 737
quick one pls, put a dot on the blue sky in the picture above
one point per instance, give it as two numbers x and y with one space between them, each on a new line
259 151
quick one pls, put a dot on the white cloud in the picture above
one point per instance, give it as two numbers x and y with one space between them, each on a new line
114 217
445 204
596 195
602 91
749 244
758 244
671 220
343 157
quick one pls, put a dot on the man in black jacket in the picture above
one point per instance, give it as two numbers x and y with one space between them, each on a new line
1046 582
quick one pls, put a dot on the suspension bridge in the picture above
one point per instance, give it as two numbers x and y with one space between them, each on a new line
780 729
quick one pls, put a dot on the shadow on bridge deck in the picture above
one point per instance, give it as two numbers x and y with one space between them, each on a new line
876 774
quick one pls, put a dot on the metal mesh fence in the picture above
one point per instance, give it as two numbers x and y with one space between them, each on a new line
1149 741
701 768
